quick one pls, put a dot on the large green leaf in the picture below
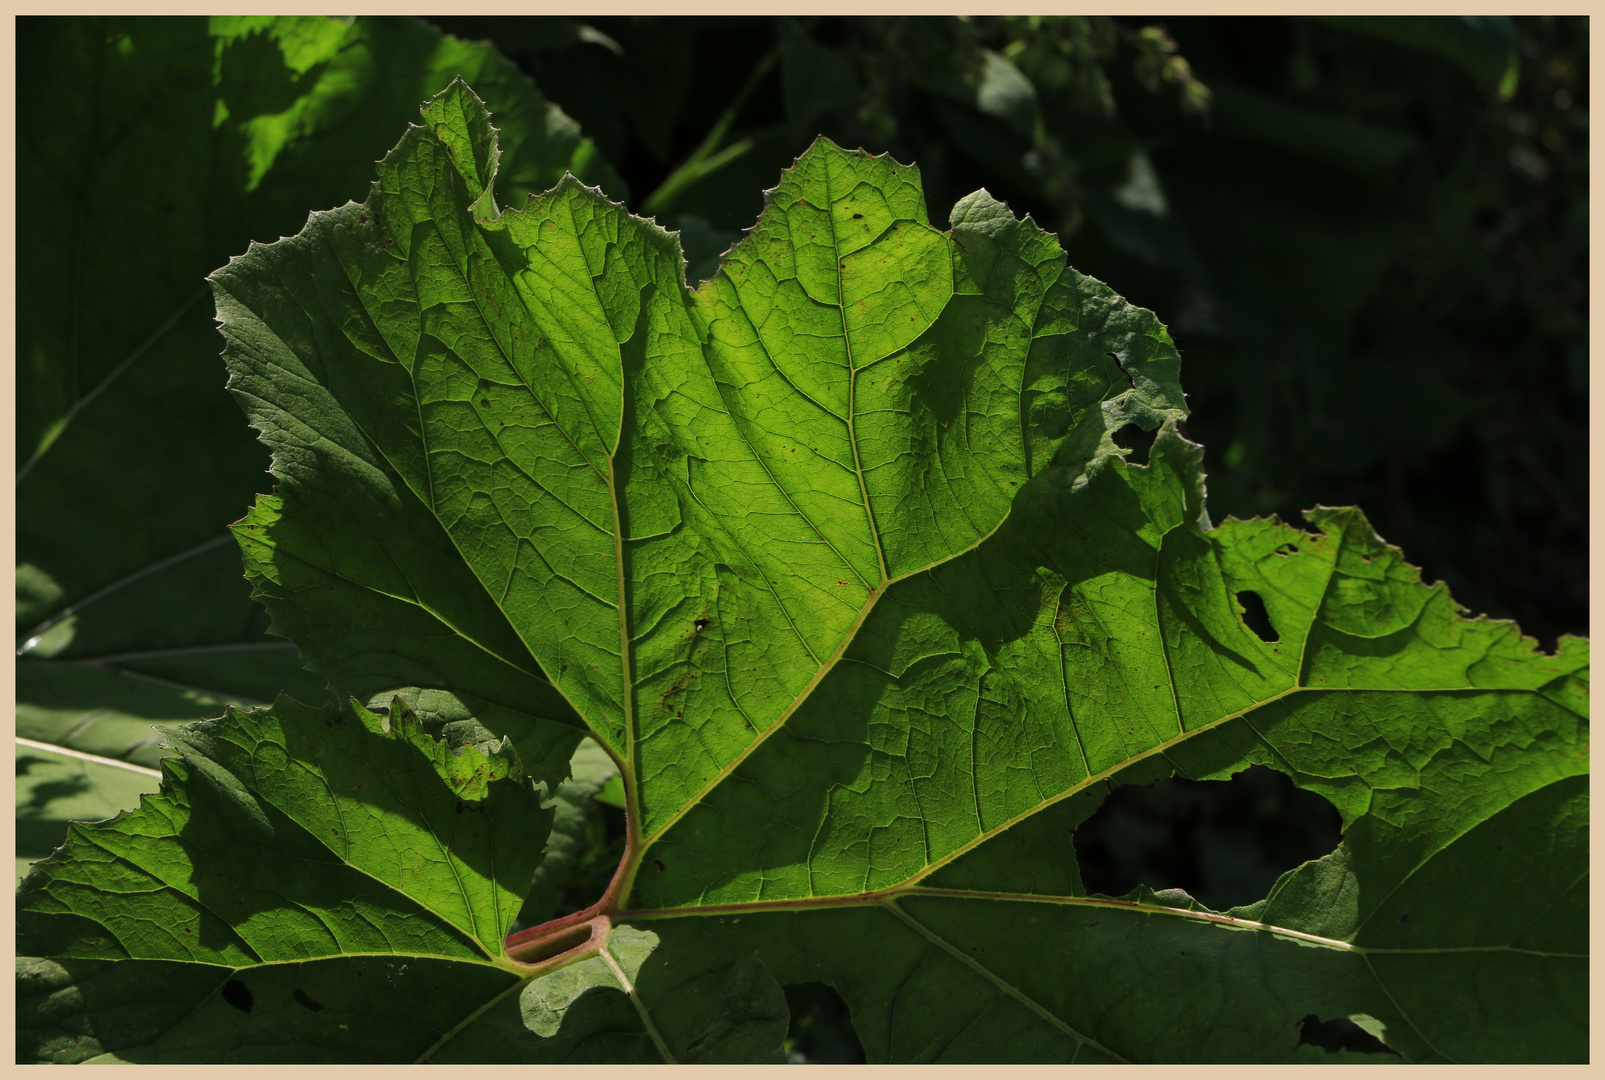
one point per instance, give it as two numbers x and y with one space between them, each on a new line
156 148
839 558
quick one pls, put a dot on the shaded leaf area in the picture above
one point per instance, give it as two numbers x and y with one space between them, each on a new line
162 1011
642 1001
155 1011
837 558
292 854
184 139
302 873
1448 745
993 979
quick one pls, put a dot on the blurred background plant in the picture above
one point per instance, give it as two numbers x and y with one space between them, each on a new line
1367 235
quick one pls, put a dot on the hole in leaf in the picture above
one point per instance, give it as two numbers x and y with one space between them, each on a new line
1224 842
238 995
1255 617
306 1002
598 859
1135 439
821 1032
1340 1033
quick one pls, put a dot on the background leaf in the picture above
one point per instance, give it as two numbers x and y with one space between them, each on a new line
55 787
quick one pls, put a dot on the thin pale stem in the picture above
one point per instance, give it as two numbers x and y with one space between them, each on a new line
707 157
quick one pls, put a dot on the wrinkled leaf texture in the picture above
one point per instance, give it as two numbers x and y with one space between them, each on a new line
839 559
158 148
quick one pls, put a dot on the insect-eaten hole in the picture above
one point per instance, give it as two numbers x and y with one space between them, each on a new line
1255 617
1341 1033
1224 842
821 1031
1135 439
238 995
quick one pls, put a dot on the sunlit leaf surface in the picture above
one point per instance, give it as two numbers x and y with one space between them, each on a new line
840 560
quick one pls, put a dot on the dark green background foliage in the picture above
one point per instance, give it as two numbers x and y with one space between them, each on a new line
1367 237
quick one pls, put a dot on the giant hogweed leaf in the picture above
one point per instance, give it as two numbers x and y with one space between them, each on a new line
547 457
980 690
183 139
883 798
